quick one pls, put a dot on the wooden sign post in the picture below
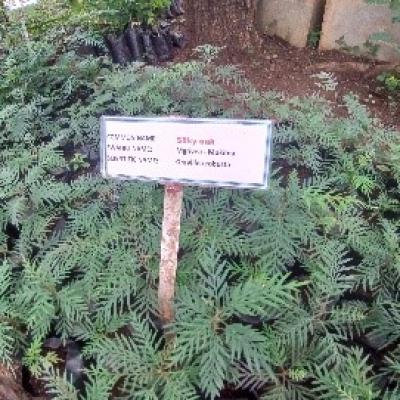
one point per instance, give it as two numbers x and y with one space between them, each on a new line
171 228
184 151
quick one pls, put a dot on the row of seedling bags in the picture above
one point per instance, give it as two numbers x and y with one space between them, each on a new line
148 44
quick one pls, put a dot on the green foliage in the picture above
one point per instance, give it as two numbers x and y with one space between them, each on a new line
43 16
59 386
95 16
313 38
352 381
206 332
390 80
38 363
290 293
145 367
118 13
3 19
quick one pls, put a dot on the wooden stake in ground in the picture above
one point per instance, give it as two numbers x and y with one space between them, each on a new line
171 227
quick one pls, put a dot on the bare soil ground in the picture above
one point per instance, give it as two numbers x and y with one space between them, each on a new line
272 64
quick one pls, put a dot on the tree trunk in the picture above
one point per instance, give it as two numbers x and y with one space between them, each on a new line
230 23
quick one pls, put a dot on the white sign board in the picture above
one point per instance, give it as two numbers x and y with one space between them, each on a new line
15 4
198 152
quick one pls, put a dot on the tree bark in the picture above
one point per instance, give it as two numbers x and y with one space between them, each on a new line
222 22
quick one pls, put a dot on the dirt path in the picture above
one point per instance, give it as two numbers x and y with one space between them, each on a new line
272 64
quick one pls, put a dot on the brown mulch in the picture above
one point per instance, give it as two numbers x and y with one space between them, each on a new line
11 387
272 64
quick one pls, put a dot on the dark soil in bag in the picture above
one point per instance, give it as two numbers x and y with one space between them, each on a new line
161 46
134 43
118 49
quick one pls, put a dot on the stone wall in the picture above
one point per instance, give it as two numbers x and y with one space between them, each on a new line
352 22
291 20
345 23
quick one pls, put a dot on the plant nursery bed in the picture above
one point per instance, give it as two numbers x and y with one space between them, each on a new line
286 293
